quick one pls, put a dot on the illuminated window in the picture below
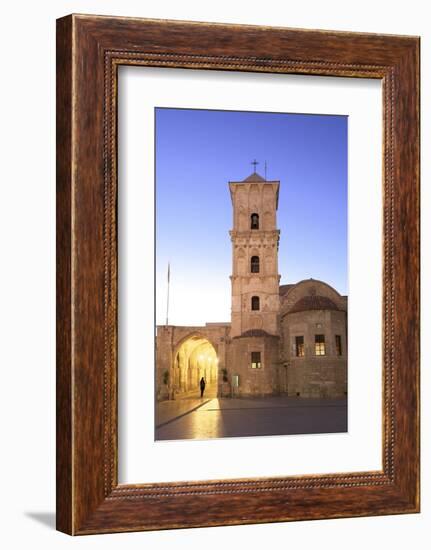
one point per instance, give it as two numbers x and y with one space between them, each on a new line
254 264
255 360
338 349
255 303
319 344
299 346
254 221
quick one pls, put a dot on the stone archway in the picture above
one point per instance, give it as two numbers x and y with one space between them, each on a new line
195 357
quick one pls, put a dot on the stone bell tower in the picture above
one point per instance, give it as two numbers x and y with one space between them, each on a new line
255 237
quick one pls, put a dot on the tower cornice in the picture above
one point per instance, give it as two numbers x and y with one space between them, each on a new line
253 233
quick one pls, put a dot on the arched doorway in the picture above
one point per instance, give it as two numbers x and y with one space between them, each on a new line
195 358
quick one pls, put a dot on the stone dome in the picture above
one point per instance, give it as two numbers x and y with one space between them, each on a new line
313 302
255 332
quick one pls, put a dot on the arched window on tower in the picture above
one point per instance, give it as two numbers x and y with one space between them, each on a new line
255 303
254 264
254 221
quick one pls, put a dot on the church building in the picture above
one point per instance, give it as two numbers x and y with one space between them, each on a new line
281 340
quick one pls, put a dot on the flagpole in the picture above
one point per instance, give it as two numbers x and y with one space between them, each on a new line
167 301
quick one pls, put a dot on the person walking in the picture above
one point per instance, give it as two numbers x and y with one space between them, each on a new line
202 385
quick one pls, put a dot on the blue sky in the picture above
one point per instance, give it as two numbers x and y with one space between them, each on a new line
197 153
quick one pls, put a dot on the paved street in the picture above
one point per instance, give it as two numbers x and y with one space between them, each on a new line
216 418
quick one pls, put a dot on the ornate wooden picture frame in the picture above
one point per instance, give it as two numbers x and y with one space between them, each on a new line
89 51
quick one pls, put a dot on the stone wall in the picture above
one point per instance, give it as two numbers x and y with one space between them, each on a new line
253 381
311 375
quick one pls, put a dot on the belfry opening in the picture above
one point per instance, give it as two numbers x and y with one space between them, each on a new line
196 358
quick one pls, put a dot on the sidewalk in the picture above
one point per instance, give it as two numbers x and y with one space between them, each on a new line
166 411
272 402
216 418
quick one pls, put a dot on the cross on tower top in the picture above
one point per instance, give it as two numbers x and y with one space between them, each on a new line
254 163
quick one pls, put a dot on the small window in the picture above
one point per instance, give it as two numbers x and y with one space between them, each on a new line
338 349
255 360
254 221
254 264
319 344
255 303
299 346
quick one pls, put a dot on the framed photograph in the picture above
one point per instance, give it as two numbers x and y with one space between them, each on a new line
237 274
